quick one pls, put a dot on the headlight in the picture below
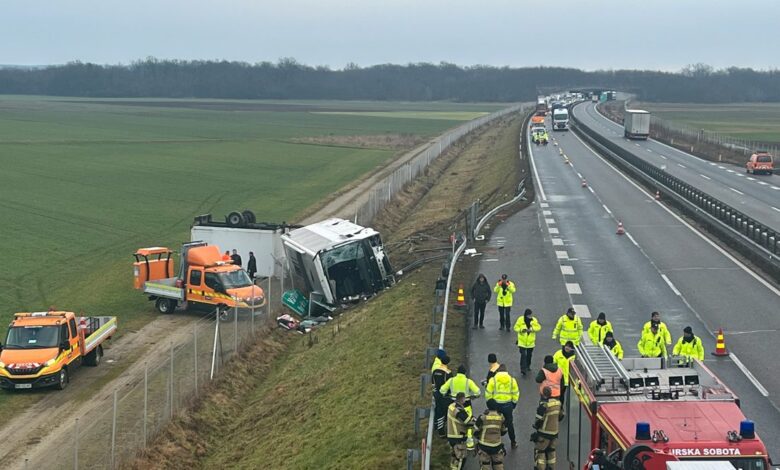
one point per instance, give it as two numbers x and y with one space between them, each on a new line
49 362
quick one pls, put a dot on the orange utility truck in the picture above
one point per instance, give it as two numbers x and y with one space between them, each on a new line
42 348
204 278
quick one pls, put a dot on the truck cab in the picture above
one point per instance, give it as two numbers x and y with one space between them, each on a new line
760 162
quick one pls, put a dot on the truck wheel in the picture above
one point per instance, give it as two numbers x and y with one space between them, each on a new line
93 358
235 219
249 216
165 306
63 379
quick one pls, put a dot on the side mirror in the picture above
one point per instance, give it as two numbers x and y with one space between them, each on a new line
64 346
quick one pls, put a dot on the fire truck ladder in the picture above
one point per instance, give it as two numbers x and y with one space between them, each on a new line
602 367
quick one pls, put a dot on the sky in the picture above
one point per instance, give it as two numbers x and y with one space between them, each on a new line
604 34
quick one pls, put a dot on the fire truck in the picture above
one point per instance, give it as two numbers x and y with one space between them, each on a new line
619 410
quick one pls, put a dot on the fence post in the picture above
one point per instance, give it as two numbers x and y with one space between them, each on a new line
214 349
170 385
113 433
76 445
146 399
195 355
235 330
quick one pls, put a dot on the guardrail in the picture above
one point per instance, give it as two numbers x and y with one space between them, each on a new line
750 237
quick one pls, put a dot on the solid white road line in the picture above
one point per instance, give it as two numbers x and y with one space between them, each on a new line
606 209
705 177
737 191
561 254
536 173
681 165
567 270
632 239
557 242
582 310
775 209
671 286
573 288
763 391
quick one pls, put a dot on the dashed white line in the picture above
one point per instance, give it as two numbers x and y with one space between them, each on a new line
663 157
705 177
557 242
751 179
637 145
763 183
573 288
549 221
651 150
731 171
546 212
776 188
536 175
722 167
553 231
544 204
681 165
561 254
671 286
713 164
749 375
582 310
606 209
591 190
737 191
567 270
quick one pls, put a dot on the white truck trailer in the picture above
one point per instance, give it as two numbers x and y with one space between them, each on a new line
560 119
636 124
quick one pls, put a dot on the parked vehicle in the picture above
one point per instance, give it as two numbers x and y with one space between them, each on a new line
42 348
636 124
760 162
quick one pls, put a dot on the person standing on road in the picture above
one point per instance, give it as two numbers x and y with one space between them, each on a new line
568 328
504 290
461 384
480 293
655 319
651 344
439 376
251 266
459 422
503 389
613 345
236 258
226 256
689 347
526 328
563 357
546 425
490 426
493 366
598 329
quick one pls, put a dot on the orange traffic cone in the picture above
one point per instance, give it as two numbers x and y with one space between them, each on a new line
658 195
461 299
584 183
720 345
620 229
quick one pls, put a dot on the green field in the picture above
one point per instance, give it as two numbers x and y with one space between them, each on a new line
751 121
86 182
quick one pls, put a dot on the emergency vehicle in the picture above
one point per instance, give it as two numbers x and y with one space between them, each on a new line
683 412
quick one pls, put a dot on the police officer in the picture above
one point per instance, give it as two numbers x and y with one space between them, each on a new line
489 428
599 328
545 437
439 377
689 347
568 328
613 345
502 388
526 328
461 384
651 344
504 290
655 319
563 358
459 422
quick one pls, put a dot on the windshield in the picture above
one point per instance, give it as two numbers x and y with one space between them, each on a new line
561 116
764 159
31 337
235 279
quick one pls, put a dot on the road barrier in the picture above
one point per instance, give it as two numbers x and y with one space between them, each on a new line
751 238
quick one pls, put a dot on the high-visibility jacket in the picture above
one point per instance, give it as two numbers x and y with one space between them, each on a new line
546 419
651 345
568 330
458 421
552 380
617 349
689 350
563 364
460 383
504 297
490 426
662 330
436 363
527 339
502 388
597 332
440 376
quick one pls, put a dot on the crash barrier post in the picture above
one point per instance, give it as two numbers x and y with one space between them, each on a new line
419 414
412 457
425 382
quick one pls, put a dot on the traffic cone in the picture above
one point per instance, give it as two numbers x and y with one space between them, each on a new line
560 151
720 344
566 160
620 229
584 183
460 302
658 195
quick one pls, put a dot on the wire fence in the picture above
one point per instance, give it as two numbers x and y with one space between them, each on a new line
112 432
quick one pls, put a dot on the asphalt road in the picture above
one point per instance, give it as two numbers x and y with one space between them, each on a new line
758 196
563 250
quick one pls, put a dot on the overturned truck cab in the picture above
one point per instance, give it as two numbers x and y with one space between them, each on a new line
336 261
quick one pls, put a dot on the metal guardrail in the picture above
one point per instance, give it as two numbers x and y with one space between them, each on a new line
750 237
483 220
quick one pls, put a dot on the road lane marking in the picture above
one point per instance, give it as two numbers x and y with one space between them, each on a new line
737 191
606 209
751 179
567 270
546 212
561 254
671 286
749 375
573 288
713 164
536 173
722 167
632 239
776 187
591 190
552 230
681 165
490 259
763 183
544 204
775 208
549 221
582 310
557 242
705 177
637 145
663 157
731 171
650 150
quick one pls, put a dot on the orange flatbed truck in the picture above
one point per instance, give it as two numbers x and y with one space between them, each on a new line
42 348
203 278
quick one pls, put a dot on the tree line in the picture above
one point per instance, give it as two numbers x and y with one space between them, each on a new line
289 79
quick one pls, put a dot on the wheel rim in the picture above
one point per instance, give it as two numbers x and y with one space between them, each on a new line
63 377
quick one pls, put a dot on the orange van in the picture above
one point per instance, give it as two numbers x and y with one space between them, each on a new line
760 162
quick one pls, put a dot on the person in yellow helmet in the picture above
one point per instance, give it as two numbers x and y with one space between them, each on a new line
568 328
689 347
526 328
599 328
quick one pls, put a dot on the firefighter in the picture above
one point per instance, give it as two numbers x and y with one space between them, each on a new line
502 388
655 319
526 328
489 427
689 347
546 424
504 290
550 376
563 357
439 376
461 384
598 329
613 345
568 328
651 344
459 423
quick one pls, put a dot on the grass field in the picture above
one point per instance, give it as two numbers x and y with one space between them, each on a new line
86 182
750 121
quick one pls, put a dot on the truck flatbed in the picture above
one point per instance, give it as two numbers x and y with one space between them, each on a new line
164 288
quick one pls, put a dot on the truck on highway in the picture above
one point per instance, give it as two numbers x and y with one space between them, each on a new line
204 277
541 105
560 119
42 348
636 124
687 413
594 98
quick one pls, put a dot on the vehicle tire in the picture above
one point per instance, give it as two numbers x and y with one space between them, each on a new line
249 216
235 219
64 378
93 358
166 306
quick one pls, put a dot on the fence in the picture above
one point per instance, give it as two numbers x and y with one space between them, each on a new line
388 187
112 431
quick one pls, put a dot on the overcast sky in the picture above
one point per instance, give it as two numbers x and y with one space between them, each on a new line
650 34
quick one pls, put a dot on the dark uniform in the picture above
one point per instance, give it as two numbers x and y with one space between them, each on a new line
490 426
546 434
438 377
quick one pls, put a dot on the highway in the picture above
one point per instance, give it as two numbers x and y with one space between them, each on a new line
758 196
564 251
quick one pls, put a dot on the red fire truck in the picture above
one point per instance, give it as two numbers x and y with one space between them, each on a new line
679 413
